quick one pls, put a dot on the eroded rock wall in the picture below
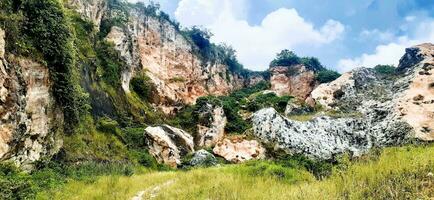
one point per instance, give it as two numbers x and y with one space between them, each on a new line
30 120
296 80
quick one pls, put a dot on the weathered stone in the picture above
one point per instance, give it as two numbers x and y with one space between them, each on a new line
2 43
168 144
180 76
203 158
408 96
324 137
238 150
211 127
92 10
30 121
293 108
295 80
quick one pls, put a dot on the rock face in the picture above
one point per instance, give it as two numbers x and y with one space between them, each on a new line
408 97
30 121
389 110
416 104
211 127
157 48
203 158
168 144
93 10
239 150
296 80
324 137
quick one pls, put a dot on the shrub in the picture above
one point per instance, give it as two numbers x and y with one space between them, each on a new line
288 58
385 69
268 100
111 63
143 87
326 76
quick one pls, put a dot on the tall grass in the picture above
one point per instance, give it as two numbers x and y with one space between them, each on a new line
392 173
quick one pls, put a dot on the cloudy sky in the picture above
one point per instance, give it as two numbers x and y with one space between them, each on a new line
343 34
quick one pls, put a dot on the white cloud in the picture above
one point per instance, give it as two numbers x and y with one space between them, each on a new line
390 53
377 35
256 44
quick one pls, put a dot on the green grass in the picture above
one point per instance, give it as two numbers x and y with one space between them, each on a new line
393 173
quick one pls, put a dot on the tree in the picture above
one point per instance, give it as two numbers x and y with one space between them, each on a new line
326 76
285 58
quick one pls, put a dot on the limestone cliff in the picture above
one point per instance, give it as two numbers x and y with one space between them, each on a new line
408 96
30 120
296 80
157 47
378 110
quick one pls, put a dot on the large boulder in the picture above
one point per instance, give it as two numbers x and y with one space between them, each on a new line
324 137
211 127
168 144
238 150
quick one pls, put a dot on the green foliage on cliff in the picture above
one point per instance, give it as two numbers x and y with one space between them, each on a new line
111 63
268 100
248 99
288 58
41 30
143 86
385 69
326 76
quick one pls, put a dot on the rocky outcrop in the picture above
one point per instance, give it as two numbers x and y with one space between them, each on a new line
211 127
157 48
296 80
203 158
324 137
381 110
30 121
238 150
409 94
416 104
168 144
93 10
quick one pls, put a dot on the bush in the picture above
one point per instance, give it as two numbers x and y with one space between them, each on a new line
14 184
288 58
111 62
268 100
385 69
143 87
327 76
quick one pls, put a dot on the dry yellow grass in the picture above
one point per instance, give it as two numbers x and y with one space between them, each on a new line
399 173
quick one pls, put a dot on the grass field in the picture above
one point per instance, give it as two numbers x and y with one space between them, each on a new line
392 173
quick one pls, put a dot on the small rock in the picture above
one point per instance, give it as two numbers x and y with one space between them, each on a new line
239 150
203 158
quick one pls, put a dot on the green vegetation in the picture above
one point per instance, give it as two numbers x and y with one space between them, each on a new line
392 173
288 58
111 62
327 76
47 27
385 69
248 99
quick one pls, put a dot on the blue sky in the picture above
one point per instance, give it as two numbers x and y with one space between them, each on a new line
343 34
